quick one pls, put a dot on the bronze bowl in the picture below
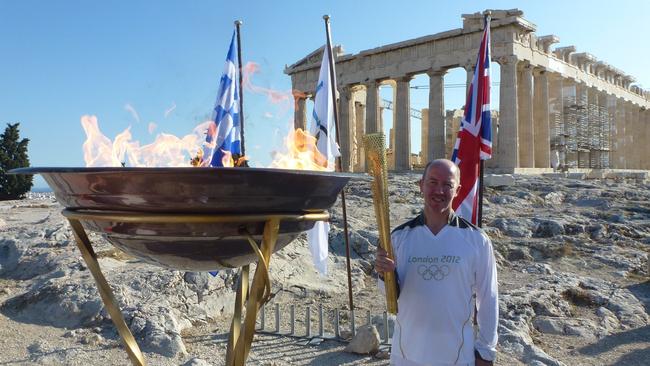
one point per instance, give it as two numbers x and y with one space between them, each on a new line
192 246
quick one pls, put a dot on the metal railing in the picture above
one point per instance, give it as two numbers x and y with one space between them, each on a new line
333 324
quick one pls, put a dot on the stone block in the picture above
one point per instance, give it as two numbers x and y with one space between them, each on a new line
496 180
579 176
597 174
554 175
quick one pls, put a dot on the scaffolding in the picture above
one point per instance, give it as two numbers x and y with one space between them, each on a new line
583 134
571 112
600 138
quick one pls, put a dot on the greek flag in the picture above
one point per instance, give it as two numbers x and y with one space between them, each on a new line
324 129
324 125
224 135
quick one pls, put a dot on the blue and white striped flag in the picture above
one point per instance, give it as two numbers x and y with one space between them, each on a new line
324 129
224 135
324 125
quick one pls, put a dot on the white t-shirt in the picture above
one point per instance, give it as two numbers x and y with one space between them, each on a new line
439 277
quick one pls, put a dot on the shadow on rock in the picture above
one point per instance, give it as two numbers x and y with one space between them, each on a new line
637 357
606 344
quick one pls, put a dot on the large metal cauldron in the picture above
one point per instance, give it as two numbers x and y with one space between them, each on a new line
192 245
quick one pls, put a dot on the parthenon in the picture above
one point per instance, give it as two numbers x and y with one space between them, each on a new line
557 106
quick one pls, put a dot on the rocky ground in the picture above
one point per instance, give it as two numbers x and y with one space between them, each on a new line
573 278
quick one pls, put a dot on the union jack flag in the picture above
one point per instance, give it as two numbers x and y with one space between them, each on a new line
474 140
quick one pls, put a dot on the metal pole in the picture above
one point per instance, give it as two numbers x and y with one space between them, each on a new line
386 330
238 23
479 219
336 122
308 322
337 322
292 315
277 317
320 321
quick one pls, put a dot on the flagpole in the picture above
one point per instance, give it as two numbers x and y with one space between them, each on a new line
481 187
238 23
479 219
340 168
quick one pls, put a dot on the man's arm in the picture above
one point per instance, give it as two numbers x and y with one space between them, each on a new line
487 304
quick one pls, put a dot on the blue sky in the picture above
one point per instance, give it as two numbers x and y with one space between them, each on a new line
161 60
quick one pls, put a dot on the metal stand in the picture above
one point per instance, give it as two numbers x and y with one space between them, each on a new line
240 338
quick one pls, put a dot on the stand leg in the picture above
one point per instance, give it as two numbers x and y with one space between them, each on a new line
242 292
259 291
105 292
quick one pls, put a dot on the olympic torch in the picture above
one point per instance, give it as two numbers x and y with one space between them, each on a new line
376 162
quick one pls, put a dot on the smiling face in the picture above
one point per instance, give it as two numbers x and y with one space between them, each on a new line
439 186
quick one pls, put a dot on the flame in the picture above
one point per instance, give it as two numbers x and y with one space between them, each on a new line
129 108
152 127
282 98
302 153
226 160
169 110
230 161
166 150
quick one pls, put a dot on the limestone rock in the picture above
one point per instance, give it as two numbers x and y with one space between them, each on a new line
554 198
549 325
517 228
196 362
58 303
366 341
161 332
549 228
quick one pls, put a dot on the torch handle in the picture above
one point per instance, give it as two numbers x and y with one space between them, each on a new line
376 163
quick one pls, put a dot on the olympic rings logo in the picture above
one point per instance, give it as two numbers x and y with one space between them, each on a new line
433 271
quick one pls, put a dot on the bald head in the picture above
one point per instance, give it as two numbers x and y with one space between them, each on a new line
446 164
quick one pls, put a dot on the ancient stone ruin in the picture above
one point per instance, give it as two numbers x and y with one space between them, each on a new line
558 107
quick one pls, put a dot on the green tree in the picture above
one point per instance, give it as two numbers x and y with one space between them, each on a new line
13 154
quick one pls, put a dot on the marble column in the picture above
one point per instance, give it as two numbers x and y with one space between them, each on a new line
611 114
629 136
593 128
526 130
508 154
402 125
469 70
373 115
635 143
346 108
603 131
619 148
300 112
436 117
570 122
582 131
541 121
556 117
360 130
646 140
424 138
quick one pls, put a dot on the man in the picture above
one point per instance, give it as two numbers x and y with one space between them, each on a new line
445 269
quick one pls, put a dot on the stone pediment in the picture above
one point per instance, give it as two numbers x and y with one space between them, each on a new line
313 58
